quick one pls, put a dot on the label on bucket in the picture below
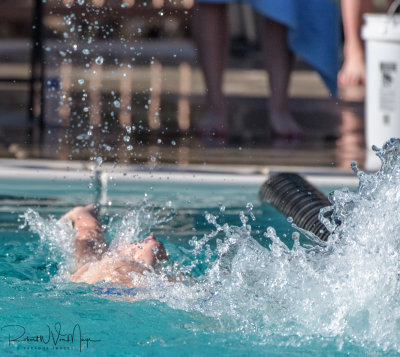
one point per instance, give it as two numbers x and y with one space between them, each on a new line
388 91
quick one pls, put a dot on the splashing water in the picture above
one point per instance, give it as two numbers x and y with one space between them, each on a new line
343 291
137 223
56 235
346 290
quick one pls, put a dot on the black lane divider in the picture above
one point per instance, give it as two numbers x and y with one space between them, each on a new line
296 198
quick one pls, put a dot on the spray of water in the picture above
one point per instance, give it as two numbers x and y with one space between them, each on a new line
57 236
345 290
138 223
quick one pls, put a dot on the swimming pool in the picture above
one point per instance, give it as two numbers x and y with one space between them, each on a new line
245 293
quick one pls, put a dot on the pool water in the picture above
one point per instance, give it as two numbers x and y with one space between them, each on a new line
242 288
32 297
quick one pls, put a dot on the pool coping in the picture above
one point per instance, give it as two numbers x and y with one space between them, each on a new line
77 170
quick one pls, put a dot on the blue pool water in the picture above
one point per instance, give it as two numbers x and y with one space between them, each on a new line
31 296
247 289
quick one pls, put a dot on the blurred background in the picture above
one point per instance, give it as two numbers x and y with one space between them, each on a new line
119 81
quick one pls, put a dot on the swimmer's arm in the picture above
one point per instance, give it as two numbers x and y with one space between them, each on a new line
89 241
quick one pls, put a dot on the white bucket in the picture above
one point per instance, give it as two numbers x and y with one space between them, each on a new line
382 105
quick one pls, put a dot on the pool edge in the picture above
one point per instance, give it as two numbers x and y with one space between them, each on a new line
11 168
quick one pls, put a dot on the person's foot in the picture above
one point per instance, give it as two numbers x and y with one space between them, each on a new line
212 125
283 125
352 72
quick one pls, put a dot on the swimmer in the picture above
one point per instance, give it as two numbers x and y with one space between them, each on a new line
96 262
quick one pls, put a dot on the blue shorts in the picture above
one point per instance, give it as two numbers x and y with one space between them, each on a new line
116 291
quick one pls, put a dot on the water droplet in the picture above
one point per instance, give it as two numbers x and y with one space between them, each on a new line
82 137
81 2
99 60
117 104
295 235
81 81
85 51
173 142
129 148
250 207
127 138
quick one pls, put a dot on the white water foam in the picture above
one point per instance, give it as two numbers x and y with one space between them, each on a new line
346 289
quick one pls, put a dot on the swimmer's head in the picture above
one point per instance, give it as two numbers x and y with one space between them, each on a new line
149 252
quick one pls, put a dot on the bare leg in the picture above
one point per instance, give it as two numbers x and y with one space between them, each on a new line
353 69
278 62
89 242
211 35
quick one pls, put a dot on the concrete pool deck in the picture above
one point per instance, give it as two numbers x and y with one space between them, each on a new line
334 126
